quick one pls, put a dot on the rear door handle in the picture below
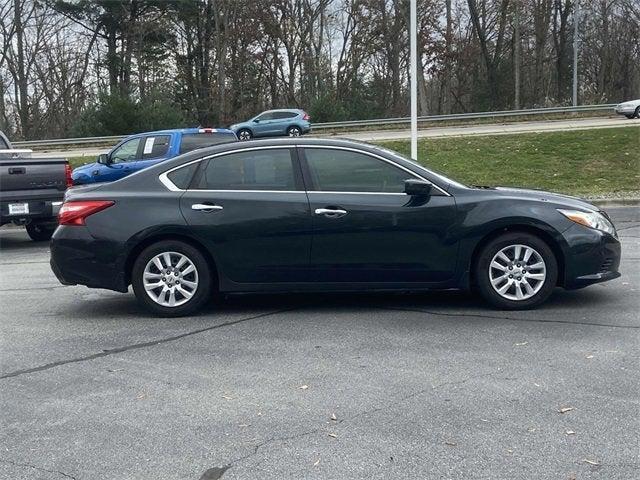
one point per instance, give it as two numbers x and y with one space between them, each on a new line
331 212
206 207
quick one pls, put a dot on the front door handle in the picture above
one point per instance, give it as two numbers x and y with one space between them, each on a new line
206 207
331 212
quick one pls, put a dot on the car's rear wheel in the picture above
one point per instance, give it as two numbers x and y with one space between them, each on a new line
39 232
516 271
294 131
245 134
171 278
630 116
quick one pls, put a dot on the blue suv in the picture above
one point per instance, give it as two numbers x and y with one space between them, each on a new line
274 123
143 150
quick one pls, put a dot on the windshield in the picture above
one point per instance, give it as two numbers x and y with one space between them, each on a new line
436 174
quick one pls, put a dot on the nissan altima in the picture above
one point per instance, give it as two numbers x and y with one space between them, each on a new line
296 215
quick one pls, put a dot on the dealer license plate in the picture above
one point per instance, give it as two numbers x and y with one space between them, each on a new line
18 208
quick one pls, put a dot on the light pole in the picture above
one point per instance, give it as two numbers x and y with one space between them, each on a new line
413 59
576 20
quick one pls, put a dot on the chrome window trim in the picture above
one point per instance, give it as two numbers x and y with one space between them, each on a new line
163 177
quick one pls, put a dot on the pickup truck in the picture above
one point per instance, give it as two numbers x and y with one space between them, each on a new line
143 150
31 189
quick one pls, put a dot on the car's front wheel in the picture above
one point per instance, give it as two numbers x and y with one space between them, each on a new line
294 131
516 271
637 113
245 134
171 278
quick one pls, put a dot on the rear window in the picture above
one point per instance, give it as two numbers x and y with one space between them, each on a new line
194 141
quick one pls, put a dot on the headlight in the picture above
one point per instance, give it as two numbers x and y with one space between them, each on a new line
590 219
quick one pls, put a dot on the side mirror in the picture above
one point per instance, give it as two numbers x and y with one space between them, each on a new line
256 120
103 159
417 187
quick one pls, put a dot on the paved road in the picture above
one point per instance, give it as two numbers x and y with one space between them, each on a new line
385 386
433 132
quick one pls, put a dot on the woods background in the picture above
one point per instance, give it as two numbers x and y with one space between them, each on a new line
83 68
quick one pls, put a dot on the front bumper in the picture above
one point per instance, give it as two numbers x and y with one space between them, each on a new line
78 258
592 257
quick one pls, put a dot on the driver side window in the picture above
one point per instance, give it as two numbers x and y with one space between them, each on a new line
265 116
127 152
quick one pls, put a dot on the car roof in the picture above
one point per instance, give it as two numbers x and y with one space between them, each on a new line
283 110
186 131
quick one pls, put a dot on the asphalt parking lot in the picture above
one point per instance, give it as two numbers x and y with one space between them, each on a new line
317 386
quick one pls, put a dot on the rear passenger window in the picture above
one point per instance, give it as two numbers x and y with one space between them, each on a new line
193 141
181 177
155 147
270 169
281 115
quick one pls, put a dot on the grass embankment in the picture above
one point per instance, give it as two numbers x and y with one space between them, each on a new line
591 163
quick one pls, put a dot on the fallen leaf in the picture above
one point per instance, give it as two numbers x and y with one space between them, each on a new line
227 397
589 356
112 370
565 409
509 451
332 435
303 387
531 429
521 344
141 396
333 417
570 432
315 464
591 462
244 425
451 444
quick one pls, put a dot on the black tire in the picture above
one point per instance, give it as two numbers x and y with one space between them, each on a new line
631 116
482 270
39 232
637 114
294 131
244 134
202 292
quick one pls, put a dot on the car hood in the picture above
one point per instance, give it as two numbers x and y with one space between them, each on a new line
542 196
86 169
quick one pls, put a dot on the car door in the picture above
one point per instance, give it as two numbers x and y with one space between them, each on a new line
251 210
155 149
365 229
282 121
122 160
262 124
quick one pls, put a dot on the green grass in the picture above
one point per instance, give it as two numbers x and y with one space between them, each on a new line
592 163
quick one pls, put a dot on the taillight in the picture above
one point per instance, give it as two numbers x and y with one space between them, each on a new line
67 175
306 116
75 213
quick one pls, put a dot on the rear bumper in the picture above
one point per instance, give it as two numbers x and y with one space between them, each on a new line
78 258
593 257
43 211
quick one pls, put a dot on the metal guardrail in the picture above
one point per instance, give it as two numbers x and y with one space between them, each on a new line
347 124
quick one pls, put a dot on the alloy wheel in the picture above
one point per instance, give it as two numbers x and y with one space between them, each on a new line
294 132
170 279
244 135
517 272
